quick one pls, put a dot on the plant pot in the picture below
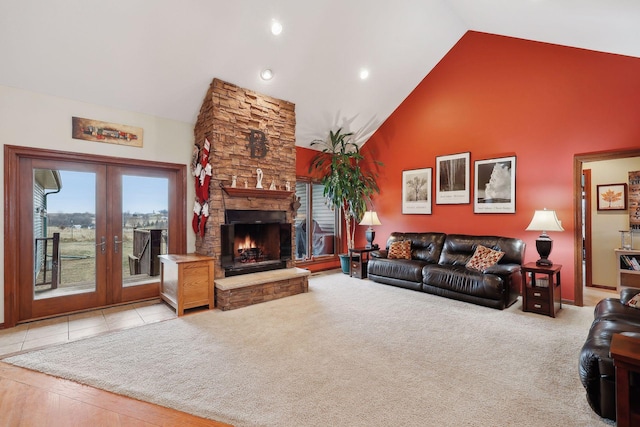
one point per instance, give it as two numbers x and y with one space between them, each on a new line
344 262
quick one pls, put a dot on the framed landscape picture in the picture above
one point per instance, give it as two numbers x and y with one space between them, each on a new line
416 191
495 190
612 197
452 179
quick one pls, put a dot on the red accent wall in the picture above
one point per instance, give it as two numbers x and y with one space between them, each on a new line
497 96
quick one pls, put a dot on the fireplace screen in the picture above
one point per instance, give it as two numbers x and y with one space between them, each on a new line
249 247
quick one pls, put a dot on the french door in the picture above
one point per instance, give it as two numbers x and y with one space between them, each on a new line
87 231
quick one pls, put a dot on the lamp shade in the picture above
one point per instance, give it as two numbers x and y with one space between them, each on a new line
545 220
370 218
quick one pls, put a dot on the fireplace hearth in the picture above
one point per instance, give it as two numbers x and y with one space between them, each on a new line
254 241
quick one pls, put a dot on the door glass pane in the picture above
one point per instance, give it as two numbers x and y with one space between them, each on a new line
301 221
145 221
324 224
64 232
315 232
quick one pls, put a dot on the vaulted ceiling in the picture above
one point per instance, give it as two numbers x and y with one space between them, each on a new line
159 56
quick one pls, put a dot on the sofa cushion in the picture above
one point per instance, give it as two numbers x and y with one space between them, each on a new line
458 278
400 250
424 246
484 258
401 269
459 248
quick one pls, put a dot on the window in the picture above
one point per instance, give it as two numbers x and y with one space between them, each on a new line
315 222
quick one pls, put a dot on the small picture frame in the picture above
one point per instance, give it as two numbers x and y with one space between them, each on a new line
495 185
452 179
612 197
416 191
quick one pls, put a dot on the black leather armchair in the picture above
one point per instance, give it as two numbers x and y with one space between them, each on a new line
597 373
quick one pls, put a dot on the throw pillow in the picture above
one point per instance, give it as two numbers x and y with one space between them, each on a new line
400 250
634 301
484 258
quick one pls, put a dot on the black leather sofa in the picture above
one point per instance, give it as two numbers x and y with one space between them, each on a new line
597 373
437 266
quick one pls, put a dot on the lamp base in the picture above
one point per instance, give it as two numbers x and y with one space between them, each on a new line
370 235
543 246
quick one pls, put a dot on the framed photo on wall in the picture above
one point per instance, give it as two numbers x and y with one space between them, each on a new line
612 197
416 191
452 179
495 181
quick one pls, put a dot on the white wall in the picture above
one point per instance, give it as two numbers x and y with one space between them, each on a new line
41 121
606 225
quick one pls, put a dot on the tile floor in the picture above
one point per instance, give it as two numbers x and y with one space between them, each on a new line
42 333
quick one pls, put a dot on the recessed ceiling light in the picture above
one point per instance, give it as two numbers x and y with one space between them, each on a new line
266 74
364 74
276 28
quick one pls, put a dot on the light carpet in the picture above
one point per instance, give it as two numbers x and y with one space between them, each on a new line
348 353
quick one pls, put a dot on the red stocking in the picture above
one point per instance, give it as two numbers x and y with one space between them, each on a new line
205 178
203 218
196 215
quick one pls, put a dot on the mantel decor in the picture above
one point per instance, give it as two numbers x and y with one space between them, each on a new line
256 192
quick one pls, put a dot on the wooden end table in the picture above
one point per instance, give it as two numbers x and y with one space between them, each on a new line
541 295
625 352
186 281
358 266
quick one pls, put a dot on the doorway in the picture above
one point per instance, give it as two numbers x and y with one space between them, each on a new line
583 250
85 231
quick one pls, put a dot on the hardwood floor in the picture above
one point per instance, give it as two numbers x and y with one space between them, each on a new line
591 296
30 398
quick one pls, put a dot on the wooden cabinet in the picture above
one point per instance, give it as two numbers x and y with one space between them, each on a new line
541 291
625 352
358 262
186 281
628 262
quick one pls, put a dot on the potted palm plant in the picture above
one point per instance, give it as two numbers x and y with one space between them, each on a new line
348 186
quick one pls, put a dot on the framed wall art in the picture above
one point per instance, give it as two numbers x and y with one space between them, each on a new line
452 179
633 191
112 133
495 181
416 191
612 197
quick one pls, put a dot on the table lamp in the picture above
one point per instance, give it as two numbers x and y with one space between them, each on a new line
370 218
544 221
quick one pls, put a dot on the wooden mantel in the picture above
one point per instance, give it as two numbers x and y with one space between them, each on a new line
257 192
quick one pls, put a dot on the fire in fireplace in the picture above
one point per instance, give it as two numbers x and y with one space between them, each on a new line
255 241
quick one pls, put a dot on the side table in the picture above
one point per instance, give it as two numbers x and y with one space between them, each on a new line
625 352
541 291
186 281
358 266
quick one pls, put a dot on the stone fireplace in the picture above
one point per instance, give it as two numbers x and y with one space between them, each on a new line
248 131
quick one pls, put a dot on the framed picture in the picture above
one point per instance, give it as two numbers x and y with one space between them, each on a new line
416 191
495 185
633 203
612 197
112 133
452 179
